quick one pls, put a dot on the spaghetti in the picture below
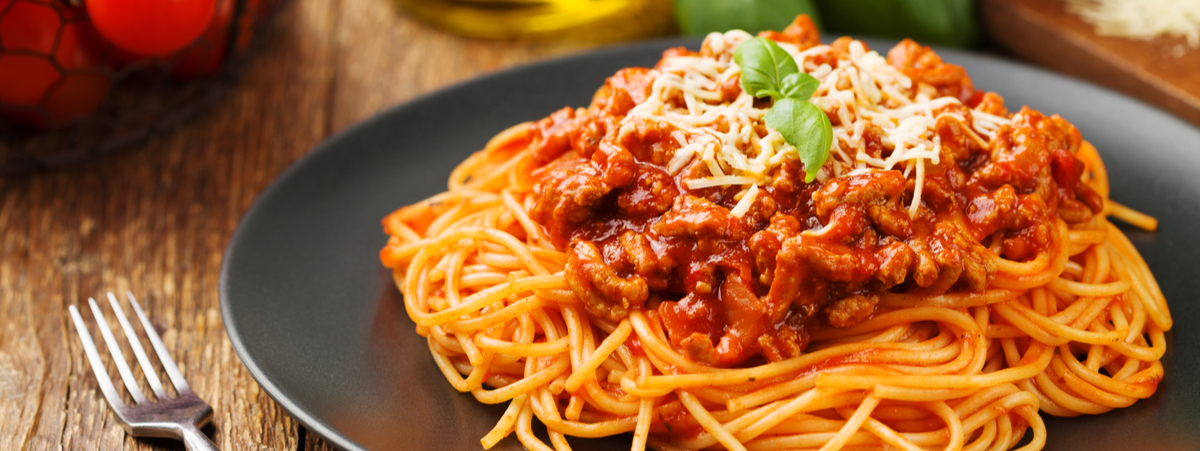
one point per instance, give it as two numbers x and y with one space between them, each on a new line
556 312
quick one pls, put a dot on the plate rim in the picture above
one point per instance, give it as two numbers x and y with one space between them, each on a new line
330 144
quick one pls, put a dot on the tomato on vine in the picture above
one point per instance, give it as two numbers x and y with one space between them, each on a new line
151 27
41 84
205 56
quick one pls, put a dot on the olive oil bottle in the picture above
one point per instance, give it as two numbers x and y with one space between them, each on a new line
585 20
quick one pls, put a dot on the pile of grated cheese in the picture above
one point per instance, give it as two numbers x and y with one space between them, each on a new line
685 93
1141 19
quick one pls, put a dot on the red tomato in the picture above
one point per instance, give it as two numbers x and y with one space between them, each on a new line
256 10
33 91
203 57
151 27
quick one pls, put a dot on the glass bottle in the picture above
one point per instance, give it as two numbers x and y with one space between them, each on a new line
585 20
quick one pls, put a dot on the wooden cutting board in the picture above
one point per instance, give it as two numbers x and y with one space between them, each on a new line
1163 71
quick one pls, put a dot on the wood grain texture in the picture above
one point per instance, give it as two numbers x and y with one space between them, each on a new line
155 219
385 59
1155 71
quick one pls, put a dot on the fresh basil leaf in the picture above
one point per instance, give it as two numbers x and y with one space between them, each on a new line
700 17
805 127
764 66
948 22
799 86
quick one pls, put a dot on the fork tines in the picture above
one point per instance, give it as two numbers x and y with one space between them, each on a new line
176 417
106 385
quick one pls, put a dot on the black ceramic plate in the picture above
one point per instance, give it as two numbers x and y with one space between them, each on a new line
316 320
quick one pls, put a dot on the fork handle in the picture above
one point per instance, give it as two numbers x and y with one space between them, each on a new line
194 440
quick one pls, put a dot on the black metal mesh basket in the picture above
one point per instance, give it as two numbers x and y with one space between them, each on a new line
67 95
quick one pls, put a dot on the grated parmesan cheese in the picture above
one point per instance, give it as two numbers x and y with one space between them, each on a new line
1141 19
721 180
744 204
724 137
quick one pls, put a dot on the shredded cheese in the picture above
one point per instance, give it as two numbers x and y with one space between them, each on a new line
722 180
723 137
744 204
1141 19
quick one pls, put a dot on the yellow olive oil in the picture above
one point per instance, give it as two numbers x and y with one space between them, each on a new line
586 20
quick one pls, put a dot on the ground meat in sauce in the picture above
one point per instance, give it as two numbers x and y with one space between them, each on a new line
604 293
802 33
806 255
922 65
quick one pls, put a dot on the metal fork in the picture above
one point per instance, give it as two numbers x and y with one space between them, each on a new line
176 418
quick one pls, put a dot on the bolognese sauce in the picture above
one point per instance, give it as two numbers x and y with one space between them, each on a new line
732 287
662 263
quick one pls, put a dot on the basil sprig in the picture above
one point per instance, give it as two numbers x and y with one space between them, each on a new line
769 71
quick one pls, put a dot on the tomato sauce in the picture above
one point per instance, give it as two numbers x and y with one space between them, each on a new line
729 289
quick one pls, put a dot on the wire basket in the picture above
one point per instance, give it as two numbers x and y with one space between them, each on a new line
67 95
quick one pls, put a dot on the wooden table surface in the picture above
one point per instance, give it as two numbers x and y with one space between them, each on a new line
1162 71
155 219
